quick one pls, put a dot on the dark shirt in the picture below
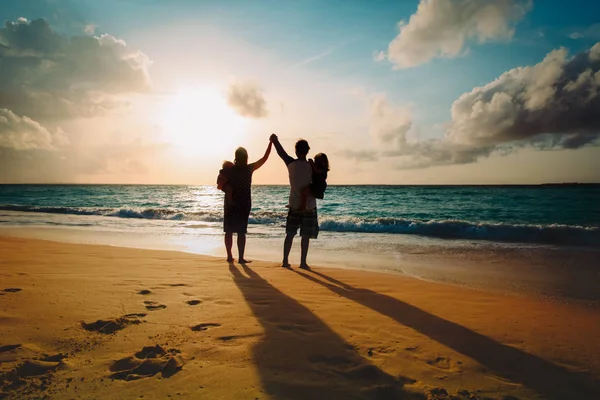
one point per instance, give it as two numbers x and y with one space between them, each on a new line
240 179
318 184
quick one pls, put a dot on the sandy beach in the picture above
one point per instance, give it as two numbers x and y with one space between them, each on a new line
83 321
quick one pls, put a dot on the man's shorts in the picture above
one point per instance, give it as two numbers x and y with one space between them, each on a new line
307 221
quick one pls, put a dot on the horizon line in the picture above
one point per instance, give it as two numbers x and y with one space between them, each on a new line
330 185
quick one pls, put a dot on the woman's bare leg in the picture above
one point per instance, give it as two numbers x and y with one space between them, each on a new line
228 245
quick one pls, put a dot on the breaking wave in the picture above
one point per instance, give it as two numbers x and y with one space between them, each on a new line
449 229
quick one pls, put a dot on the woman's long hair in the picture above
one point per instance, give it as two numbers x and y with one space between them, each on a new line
241 157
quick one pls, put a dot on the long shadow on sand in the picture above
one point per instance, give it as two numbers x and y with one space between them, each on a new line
300 357
547 379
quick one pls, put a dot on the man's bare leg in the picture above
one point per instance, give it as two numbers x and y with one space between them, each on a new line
304 252
287 247
241 243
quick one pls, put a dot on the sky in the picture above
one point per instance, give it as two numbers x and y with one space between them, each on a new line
394 92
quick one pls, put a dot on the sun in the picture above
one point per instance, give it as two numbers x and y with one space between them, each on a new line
199 122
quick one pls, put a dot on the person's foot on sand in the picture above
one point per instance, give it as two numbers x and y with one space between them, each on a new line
286 264
242 261
230 259
305 266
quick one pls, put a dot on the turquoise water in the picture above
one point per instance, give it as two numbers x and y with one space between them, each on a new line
555 215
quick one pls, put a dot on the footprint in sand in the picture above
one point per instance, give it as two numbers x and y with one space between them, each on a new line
147 362
175 284
113 325
441 362
9 347
12 290
39 367
29 375
205 326
193 302
144 292
152 305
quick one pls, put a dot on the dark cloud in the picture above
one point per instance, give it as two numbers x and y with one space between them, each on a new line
559 96
554 104
247 100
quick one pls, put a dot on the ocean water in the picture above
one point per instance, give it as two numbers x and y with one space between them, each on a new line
514 214
542 239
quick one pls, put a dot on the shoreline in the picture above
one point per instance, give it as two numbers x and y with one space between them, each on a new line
278 333
567 275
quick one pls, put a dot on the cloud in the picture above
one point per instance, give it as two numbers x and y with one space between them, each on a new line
389 123
559 96
595 52
379 56
591 32
247 100
22 133
443 28
364 155
551 105
49 79
90 28
47 75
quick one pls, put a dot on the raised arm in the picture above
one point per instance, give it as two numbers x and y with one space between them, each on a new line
280 151
257 164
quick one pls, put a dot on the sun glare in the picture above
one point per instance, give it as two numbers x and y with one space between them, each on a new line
199 122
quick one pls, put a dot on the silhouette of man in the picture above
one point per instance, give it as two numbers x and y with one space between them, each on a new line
300 175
